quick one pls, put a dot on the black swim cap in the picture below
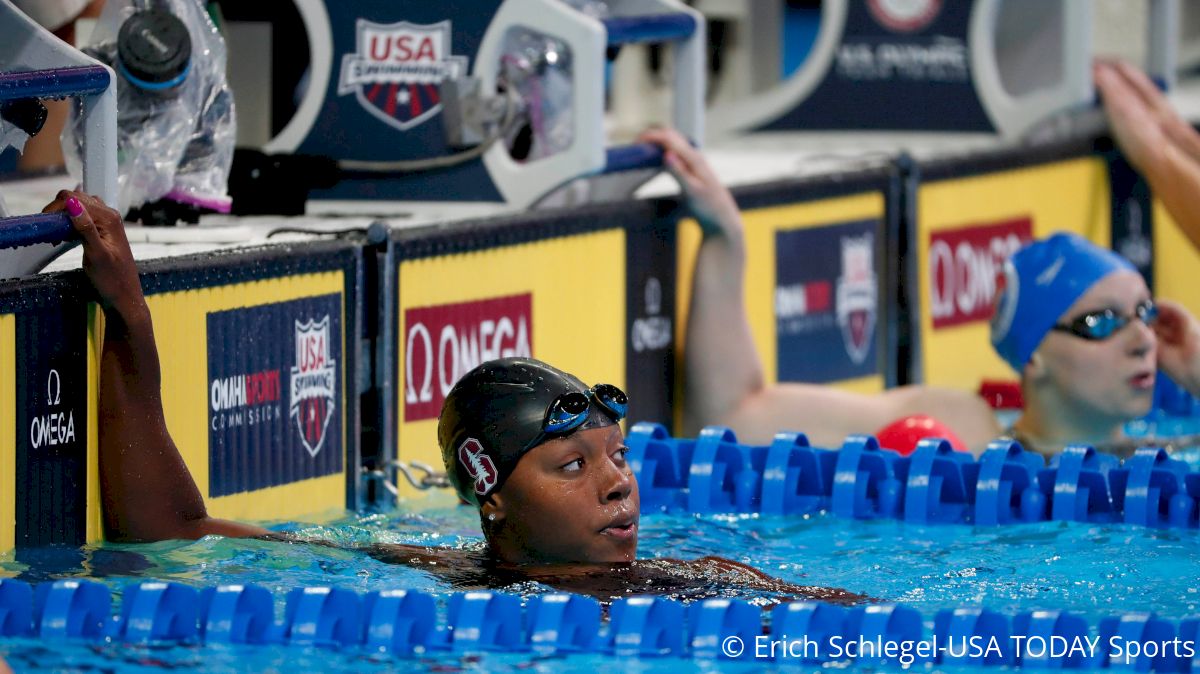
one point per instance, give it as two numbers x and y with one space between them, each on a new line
493 413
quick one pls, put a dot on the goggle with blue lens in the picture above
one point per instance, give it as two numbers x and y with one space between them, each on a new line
570 410
1102 324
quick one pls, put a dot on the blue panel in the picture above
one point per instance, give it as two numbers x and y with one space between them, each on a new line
27 230
800 28
649 314
827 299
51 425
383 100
275 397
1132 216
904 77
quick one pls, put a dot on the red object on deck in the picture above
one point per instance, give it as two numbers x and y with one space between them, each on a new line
1002 395
902 435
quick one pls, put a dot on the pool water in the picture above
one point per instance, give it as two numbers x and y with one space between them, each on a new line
1092 570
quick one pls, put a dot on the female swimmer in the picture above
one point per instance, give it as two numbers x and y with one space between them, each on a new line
1075 321
538 453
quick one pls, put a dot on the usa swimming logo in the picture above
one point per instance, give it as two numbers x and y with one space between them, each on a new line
397 68
857 296
314 381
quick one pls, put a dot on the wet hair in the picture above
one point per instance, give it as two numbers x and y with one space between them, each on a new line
493 413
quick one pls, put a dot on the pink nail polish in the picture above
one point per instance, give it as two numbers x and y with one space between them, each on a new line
74 208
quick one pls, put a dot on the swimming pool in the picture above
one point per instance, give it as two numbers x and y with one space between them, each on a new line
1091 570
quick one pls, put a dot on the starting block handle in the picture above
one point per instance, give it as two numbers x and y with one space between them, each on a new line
630 157
27 230
649 28
53 69
54 83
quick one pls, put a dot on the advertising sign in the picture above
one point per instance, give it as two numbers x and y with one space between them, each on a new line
827 302
274 390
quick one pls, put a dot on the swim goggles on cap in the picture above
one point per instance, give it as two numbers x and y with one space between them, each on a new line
1102 324
570 410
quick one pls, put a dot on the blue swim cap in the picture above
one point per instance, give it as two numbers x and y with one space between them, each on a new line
1039 283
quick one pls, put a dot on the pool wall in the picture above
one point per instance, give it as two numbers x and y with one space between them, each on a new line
840 264
233 331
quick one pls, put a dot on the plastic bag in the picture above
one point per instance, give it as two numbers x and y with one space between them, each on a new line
539 68
176 127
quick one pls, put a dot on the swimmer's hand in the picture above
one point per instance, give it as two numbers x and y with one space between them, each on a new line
107 259
709 200
1148 129
1179 344
1158 142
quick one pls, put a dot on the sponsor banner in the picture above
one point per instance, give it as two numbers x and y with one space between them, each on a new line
561 300
395 71
51 425
1132 216
248 366
649 316
965 227
906 55
275 394
827 299
445 342
382 98
964 265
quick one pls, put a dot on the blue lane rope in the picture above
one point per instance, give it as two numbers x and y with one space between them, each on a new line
405 623
934 485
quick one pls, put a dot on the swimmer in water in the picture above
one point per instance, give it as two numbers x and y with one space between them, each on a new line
540 455
1076 322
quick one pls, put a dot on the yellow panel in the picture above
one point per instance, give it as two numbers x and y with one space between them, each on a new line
8 432
1176 262
761 226
577 285
181 328
1065 196
94 527
286 501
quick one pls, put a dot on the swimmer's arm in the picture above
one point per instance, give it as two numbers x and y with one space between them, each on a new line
1155 139
755 579
724 380
146 489
721 363
414 555
1176 181
827 415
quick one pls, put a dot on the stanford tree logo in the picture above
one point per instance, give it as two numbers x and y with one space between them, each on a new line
478 464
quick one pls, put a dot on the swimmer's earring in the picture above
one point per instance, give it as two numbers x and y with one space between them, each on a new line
491 517
1036 366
